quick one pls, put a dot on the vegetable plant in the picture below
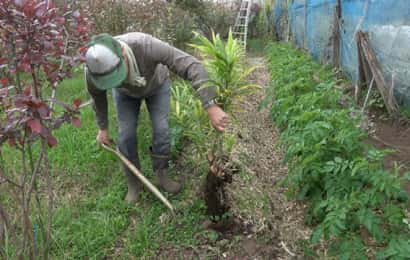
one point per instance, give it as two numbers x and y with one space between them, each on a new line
354 203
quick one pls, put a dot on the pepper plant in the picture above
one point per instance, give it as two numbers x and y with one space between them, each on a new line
39 43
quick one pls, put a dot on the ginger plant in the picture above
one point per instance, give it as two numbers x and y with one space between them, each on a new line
228 73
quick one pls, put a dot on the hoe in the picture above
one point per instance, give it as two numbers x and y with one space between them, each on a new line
141 177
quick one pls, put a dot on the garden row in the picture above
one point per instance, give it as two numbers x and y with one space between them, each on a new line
354 203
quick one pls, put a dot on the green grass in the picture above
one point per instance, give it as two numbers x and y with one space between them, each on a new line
90 225
90 216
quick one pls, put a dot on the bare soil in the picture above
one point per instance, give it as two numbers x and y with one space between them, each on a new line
277 222
386 133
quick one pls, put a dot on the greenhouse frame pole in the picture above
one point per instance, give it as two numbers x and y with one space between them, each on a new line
336 34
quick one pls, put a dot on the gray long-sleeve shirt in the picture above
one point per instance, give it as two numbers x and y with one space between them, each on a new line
154 58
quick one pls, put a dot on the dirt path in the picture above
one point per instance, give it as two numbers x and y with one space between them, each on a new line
277 223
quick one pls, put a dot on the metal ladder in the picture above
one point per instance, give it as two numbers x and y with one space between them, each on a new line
240 29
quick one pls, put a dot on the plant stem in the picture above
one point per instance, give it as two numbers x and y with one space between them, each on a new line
30 157
14 58
4 227
2 164
28 198
35 82
50 201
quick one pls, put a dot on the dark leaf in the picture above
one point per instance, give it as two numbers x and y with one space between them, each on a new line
27 91
43 110
51 140
58 122
37 58
19 103
60 20
12 141
4 81
76 121
4 92
25 67
77 102
29 8
35 125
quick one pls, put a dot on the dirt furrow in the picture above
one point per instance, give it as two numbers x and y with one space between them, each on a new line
257 198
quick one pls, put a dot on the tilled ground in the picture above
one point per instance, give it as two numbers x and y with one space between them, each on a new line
258 200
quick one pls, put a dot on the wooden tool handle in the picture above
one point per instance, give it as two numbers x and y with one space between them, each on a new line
141 177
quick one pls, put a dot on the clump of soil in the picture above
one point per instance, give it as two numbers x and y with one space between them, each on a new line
219 175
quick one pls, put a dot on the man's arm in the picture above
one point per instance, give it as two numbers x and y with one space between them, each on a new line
184 65
189 68
100 106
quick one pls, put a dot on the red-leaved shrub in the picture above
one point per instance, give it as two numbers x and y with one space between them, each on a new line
39 44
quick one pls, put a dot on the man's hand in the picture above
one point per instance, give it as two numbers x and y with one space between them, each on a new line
103 137
218 117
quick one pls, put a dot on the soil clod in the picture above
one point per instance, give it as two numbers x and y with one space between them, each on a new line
219 175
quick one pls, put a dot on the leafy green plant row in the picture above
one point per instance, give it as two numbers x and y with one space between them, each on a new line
354 203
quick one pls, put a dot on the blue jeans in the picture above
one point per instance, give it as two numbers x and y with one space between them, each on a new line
128 109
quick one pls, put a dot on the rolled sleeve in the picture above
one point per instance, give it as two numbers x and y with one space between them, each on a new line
100 103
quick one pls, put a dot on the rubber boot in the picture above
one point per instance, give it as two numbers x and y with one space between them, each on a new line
160 165
134 186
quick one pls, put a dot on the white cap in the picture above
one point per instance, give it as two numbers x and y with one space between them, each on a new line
100 59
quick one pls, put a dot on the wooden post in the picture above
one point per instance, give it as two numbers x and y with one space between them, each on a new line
336 34
368 63
365 75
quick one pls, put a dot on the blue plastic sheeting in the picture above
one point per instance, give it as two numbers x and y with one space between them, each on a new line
386 21
320 16
388 25
279 18
278 12
297 21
